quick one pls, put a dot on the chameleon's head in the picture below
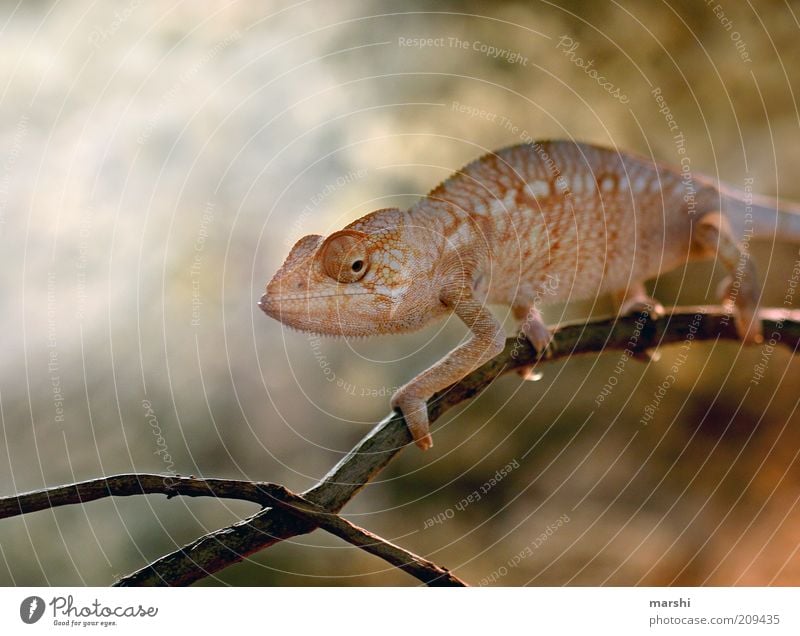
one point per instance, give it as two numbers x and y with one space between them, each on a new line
355 282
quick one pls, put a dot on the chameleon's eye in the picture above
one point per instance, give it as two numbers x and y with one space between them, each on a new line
344 256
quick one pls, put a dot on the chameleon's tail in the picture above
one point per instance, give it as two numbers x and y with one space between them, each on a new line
762 216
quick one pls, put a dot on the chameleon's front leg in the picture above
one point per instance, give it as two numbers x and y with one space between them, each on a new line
487 341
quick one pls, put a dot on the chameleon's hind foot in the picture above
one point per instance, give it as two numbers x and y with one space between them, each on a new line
638 305
540 336
738 301
636 302
740 290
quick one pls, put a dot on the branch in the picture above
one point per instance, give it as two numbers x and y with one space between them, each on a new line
227 546
257 492
426 571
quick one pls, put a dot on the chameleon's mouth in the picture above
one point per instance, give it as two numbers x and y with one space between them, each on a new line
305 321
277 306
270 303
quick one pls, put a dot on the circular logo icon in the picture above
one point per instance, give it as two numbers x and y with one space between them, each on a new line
31 609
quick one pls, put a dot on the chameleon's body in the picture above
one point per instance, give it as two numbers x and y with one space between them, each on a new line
530 224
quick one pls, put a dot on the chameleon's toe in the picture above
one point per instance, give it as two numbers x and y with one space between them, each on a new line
748 326
540 337
415 413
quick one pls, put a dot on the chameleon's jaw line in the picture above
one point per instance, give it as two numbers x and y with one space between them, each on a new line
273 304
303 296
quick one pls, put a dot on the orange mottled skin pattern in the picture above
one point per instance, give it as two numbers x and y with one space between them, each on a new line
528 224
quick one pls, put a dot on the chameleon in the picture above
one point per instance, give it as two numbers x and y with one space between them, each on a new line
527 225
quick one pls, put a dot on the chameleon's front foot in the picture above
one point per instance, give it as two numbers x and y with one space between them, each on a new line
415 412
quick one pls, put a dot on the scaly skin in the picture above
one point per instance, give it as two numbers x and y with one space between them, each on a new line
527 225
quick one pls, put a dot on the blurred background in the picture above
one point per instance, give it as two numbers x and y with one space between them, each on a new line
158 160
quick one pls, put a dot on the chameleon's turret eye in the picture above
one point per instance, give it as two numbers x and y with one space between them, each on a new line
345 256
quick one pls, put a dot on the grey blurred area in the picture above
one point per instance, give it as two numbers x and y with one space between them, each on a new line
157 162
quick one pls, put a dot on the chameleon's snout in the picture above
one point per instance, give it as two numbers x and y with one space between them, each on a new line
265 304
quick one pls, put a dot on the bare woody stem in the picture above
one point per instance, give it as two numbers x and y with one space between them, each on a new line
426 571
128 485
263 493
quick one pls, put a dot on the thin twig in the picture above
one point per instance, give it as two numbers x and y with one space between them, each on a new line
263 493
127 485
426 571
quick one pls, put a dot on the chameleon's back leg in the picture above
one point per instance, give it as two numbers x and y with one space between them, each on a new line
634 300
739 291
536 331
